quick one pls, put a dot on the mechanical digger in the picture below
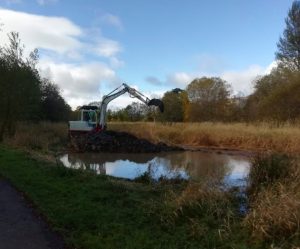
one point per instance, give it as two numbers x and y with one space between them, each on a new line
93 118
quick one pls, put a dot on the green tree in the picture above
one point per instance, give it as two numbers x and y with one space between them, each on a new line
54 107
19 85
289 44
209 99
136 111
276 96
174 103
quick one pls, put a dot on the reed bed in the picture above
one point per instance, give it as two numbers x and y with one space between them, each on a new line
255 137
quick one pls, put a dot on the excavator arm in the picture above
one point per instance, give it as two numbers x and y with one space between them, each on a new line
133 93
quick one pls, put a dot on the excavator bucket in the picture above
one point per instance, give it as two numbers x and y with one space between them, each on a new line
158 103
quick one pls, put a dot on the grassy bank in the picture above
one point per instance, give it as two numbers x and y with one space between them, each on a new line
262 136
102 212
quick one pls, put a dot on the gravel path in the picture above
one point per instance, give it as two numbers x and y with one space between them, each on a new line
20 227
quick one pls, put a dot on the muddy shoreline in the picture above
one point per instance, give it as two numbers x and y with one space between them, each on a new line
220 150
123 142
119 142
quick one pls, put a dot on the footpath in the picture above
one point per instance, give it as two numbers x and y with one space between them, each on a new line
20 226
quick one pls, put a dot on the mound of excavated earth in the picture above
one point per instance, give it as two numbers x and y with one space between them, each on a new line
122 142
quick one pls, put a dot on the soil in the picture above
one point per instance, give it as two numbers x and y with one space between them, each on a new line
120 142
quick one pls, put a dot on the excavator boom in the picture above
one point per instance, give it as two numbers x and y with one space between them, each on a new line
133 93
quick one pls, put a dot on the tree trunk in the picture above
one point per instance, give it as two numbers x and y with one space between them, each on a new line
2 130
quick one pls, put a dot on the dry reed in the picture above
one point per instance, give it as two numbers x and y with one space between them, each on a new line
203 207
42 137
275 205
255 137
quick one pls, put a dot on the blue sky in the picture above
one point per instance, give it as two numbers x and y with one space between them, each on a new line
89 47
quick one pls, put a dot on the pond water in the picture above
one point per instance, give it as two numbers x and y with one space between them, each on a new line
193 165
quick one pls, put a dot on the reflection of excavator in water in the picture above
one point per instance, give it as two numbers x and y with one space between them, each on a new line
93 118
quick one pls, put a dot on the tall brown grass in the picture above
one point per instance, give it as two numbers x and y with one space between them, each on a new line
275 200
203 206
43 137
257 137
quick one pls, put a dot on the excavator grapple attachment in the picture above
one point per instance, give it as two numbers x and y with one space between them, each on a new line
158 103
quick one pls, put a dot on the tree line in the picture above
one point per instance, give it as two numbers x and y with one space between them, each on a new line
276 96
24 94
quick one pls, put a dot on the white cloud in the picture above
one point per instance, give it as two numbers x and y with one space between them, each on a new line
113 20
273 65
108 48
57 34
241 81
61 41
116 63
80 83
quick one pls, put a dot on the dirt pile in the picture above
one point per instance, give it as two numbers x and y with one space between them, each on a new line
122 142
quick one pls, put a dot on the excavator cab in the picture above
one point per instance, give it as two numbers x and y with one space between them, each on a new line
87 120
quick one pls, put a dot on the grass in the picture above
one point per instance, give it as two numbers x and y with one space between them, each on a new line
41 139
267 169
93 211
255 137
274 196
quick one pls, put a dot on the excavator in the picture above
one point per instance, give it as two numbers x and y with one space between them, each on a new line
93 118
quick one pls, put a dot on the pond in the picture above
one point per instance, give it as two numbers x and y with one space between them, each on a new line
191 165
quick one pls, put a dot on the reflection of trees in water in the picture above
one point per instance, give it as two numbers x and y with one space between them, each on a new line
159 168
98 168
199 166
101 158
97 161
77 163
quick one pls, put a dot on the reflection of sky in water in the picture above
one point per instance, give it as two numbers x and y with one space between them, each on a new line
125 169
238 171
131 170
194 165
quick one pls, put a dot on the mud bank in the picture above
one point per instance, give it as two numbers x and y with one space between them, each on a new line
121 142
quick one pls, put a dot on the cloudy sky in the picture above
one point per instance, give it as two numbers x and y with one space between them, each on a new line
89 47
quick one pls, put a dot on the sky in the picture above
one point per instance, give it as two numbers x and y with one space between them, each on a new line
90 47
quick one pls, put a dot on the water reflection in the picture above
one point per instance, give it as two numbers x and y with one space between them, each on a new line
195 165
